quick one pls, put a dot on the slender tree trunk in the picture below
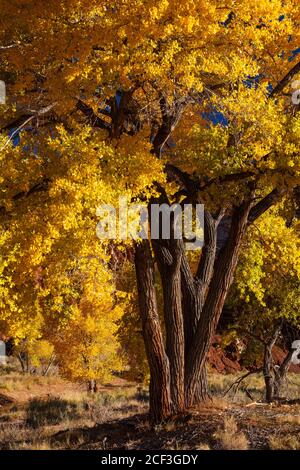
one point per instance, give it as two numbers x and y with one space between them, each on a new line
49 365
268 365
22 362
160 396
92 386
27 362
268 377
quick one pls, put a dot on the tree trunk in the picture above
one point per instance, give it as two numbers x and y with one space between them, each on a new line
219 286
202 391
27 362
281 373
49 365
194 290
192 307
23 358
268 377
169 262
268 366
174 337
92 386
22 362
160 396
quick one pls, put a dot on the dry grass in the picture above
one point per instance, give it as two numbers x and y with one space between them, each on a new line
285 442
230 438
38 408
35 424
202 447
254 384
50 413
219 403
20 386
289 418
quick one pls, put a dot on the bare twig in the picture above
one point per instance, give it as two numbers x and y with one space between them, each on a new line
238 382
35 114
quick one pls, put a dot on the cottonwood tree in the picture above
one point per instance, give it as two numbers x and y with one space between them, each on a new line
152 80
264 300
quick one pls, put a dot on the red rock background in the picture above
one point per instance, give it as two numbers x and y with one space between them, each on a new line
226 362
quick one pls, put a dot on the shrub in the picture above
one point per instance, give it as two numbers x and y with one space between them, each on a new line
50 411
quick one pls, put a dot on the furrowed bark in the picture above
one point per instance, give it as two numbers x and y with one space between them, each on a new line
169 261
221 280
160 397
206 265
194 291
281 372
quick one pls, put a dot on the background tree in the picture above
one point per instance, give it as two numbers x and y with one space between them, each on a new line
265 295
129 332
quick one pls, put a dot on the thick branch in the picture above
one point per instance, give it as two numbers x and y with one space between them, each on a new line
93 119
265 204
285 80
206 264
23 121
170 118
189 184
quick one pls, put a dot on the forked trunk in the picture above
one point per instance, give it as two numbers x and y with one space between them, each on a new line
192 306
